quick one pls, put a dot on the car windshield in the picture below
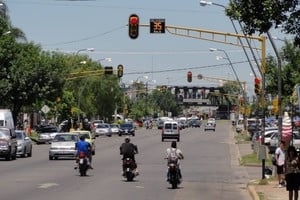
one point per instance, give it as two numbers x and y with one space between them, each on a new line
126 125
65 138
19 135
4 134
114 126
169 126
86 135
102 126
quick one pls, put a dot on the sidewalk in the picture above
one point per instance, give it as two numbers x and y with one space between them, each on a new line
269 191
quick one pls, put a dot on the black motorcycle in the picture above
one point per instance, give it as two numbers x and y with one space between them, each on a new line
83 164
173 174
129 167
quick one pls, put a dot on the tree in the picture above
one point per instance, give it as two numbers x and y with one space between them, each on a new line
261 15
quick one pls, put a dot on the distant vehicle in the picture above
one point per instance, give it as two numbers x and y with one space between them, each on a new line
211 120
115 128
6 119
160 124
210 127
95 123
89 137
63 146
24 144
8 143
46 133
170 130
102 129
195 123
127 129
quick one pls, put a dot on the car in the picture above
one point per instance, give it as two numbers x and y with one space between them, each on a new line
127 129
89 137
195 123
64 146
24 144
115 128
210 127
170 130
211 120
274 143
95 123
8 143
46 133
160 124
102 129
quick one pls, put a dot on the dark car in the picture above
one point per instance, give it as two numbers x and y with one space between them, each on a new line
127 129
195 123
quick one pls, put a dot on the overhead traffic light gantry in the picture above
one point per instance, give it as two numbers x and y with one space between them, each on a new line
189 76
257 88
133 26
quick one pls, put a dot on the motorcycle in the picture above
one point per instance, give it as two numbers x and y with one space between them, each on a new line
129 167
173 174
83 165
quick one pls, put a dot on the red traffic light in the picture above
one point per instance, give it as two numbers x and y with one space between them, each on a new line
189 76
257 80
133 26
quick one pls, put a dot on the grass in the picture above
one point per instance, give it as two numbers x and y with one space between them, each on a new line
261 196
252 159
242 138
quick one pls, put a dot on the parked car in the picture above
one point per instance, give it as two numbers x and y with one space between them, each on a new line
115 128
210 127
8 143
170 130
63 146
127 129
160 124
274 143
24 144
89 137
102 129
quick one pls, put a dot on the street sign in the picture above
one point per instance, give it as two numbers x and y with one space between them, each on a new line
157 26
45 109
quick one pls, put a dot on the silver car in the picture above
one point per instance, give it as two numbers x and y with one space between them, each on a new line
115 128
63 146
103 129
24 144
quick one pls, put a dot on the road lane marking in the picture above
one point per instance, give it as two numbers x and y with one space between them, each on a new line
47 185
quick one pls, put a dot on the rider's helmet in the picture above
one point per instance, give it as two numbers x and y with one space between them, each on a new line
174 144
127 139
82 137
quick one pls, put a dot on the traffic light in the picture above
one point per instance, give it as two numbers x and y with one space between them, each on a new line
133 26
120 71
257 89
189 76
108 70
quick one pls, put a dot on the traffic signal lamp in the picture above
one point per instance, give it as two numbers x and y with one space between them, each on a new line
189 76
120 71
108 70
133 26
257 88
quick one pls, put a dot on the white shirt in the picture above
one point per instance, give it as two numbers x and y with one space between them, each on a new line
280 156
176 151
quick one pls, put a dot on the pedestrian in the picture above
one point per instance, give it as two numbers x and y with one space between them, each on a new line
292 173
280 163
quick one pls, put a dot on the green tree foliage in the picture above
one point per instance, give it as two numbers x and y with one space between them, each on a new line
261 15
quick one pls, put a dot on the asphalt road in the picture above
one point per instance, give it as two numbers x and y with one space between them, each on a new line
210 171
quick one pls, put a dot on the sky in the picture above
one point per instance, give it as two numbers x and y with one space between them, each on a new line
68 26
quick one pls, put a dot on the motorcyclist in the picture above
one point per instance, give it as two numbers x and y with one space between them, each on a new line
174 155
128 150
85 147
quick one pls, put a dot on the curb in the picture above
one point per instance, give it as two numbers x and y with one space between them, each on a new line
253 193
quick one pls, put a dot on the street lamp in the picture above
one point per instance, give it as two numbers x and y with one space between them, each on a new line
85 49
84 85
106 59
209 3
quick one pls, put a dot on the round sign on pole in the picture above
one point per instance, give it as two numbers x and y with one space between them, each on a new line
200 76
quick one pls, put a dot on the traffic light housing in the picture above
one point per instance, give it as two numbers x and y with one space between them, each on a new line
120 71
133 26
189 76
257 88
108 70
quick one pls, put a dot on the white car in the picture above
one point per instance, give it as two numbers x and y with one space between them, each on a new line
102 129
115 128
